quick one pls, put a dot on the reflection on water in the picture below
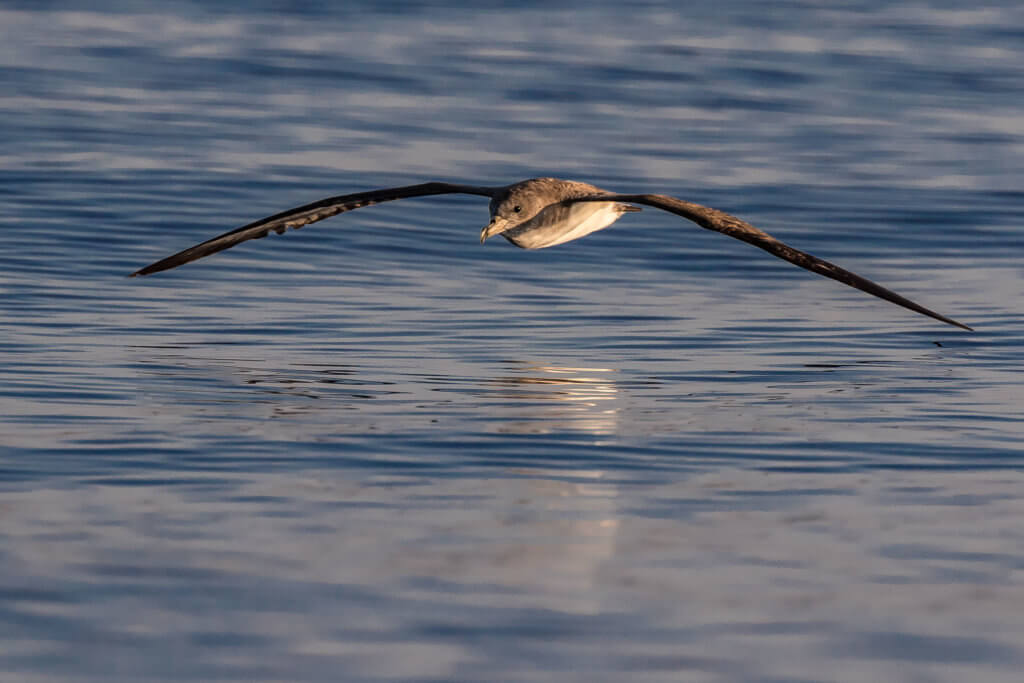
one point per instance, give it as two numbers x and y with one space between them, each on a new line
558 399
531 399
540 531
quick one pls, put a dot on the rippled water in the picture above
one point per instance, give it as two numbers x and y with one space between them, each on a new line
375 450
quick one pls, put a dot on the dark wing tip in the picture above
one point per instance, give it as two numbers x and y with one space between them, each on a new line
151 268
175 260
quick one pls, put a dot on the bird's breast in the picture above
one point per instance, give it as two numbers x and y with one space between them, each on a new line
558 223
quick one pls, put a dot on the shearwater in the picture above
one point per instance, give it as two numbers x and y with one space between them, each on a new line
543 212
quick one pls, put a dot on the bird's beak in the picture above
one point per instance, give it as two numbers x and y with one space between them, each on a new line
495 227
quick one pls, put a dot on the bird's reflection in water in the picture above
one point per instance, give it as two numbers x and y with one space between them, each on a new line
531 528
549 524
548 398
523 398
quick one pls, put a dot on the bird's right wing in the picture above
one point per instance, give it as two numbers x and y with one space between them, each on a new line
719 221
304 215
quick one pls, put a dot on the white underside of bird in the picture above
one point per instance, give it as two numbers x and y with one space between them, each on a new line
559 223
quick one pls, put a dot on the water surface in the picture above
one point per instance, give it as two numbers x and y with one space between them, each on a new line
375 450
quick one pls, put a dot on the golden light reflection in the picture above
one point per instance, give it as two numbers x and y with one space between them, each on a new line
550 398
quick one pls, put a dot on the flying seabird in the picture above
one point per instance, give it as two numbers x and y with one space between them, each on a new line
538 213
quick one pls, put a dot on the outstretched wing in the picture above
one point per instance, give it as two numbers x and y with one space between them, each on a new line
719 221
304 215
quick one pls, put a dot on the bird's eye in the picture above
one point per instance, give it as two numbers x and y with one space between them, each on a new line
517 208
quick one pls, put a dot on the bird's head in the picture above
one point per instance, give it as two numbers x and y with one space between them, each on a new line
517 204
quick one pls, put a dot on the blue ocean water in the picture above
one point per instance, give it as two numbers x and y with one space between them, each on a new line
376 450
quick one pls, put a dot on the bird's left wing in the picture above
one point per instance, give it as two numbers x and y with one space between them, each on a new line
304 215
719 221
